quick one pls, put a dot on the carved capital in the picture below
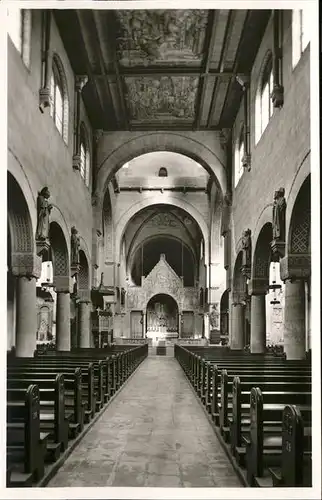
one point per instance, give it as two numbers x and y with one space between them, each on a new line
295 266
277 96
42 246
257 286
76 161
84 296
26 264
63 284
74 269
44 98
97 134
80 82
239 297
278 250
246 161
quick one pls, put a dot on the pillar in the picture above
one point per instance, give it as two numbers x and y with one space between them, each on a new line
308 315
63 321
294 319
206 328
258 324
179 325
84 323
26 319
237 326
143 324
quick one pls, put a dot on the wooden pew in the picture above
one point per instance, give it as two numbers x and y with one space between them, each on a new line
53 419
72 392
296 464
239 421
26 445
67 368
262 450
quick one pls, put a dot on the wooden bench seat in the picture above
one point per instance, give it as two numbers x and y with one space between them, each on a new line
52 412
264 451
72 392
26 445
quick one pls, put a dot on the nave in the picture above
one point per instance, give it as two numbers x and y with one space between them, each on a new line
153 434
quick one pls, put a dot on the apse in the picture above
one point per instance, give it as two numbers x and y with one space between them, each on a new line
178 256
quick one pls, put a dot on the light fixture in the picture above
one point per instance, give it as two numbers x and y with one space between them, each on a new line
274 286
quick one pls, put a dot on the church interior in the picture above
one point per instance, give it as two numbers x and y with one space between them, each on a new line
159 248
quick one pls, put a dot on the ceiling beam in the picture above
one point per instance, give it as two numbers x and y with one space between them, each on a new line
98 49
204 77
91 78
227 34
165 71
235 64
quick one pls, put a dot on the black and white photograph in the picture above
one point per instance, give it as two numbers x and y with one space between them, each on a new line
161 212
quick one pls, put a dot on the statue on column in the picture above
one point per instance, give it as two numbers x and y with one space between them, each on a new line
279 209
75 246
246 247
43 211
214 317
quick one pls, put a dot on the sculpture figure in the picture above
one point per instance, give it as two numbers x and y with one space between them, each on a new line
214 317
43 211
75 246
246 246
279 209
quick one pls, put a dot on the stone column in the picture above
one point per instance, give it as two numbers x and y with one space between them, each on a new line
237 326
26 319
258 324
27 268
294 319
179 324
308 314
206 326
63 321
143 324
84 323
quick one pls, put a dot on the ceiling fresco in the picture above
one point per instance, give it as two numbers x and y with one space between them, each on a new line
162 98
162 69
161 36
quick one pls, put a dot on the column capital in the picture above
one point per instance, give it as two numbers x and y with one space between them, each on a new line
84 296
63 284
26 264
80 82
295 266
257 286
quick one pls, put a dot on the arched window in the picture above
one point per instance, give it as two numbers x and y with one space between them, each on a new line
300 34
264 105
163 172
19 30
59 98
85 156
239 153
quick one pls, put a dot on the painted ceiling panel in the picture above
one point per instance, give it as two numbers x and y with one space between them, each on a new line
161 99
157 37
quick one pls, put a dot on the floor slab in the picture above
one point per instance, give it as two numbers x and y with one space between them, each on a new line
154 433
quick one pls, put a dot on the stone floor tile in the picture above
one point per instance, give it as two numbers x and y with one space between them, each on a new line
154 433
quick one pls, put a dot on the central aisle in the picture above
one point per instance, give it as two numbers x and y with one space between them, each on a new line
153 434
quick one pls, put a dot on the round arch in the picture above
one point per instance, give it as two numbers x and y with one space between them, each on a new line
19 220
59 252
156 141
157 200
155 294
262 256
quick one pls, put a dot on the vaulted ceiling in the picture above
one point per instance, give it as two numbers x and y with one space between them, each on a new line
162 69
